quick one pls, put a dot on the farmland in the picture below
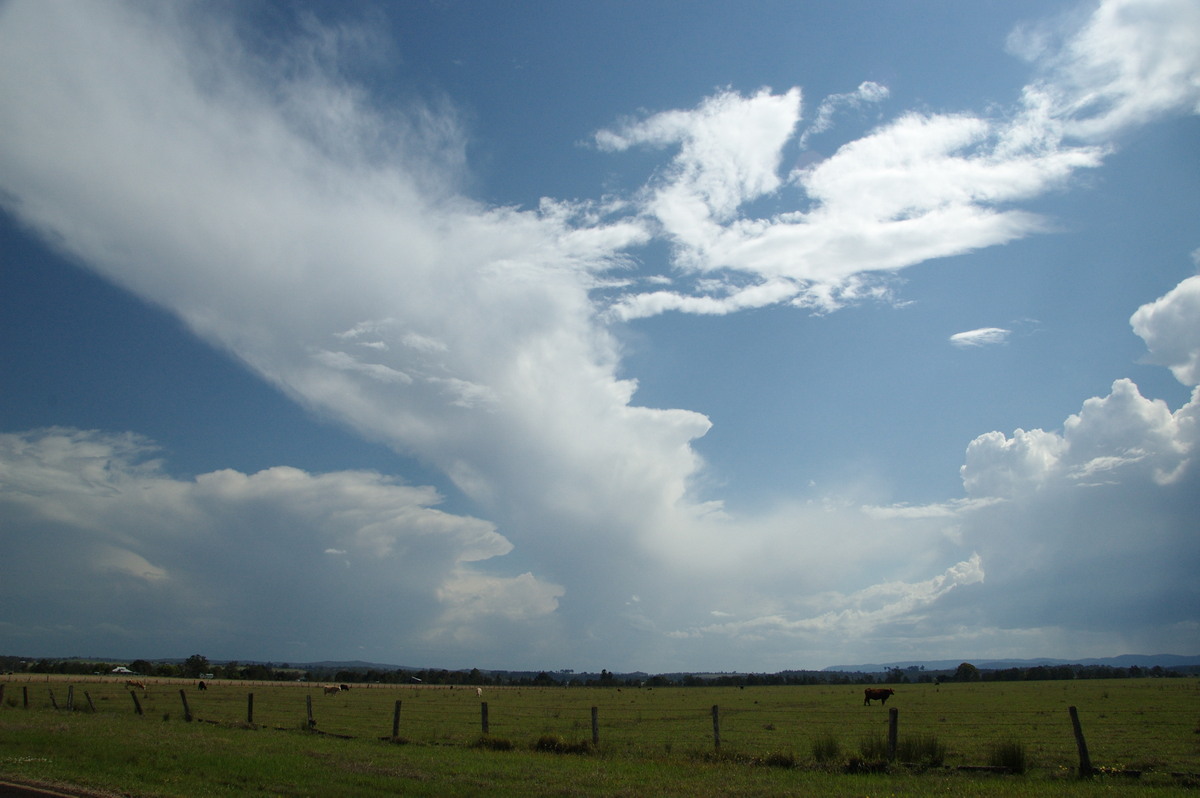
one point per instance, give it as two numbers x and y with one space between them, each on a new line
662 741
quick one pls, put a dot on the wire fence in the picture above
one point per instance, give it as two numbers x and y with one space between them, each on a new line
1126 729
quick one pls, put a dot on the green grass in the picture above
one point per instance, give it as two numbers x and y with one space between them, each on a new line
651 741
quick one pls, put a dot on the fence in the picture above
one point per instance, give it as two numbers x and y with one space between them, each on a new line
1131 735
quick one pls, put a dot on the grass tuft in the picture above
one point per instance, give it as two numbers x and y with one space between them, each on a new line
554 744
826 748
493 743
921 749
1010 755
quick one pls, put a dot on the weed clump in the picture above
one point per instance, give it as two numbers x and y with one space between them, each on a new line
493 743
553 744
1009 755
873 747
921 749
826 748
779 759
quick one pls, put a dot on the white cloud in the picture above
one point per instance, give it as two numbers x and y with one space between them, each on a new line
1133 61
321 241
1170 326
242 556
1122 430
984 336
867 92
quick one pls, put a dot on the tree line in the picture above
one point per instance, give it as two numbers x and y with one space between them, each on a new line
198 666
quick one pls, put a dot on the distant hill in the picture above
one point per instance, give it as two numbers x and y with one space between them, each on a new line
1122 661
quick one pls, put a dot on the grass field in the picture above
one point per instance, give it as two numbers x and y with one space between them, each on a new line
651 741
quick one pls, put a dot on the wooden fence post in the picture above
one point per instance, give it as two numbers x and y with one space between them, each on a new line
249 709
595 725
137 705
53 703
716 715
1 694
312 724
396 720
91 706
483 713
187 711
25 697
1085 761
893 728
70 698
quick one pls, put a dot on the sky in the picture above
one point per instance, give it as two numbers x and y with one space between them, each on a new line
640 336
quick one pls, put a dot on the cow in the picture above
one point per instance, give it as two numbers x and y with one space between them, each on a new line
130 683
479 692
331 689
881 693
202 685
344 687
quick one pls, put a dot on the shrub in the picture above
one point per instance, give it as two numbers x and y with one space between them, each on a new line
1009 755
826 748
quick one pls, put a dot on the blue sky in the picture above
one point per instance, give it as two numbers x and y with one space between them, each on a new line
625 335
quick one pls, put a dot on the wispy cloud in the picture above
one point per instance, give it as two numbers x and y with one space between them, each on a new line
984 336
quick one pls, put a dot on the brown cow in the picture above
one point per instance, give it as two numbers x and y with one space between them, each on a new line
331 689
880 693
130 683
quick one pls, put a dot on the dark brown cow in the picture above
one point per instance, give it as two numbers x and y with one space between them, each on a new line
880 693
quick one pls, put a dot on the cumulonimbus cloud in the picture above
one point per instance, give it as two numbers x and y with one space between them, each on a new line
324 242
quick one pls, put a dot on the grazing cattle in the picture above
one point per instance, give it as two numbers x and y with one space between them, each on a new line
330 689
130 683
344 687
880 693
202 685
479 692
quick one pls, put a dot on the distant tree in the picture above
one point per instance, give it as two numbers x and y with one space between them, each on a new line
966 672
141 666
194 666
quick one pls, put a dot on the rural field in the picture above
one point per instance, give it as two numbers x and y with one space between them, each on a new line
245 738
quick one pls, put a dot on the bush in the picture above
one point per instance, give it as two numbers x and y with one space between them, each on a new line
826 748
1009 755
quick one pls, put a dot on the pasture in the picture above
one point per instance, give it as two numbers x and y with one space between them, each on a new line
662 737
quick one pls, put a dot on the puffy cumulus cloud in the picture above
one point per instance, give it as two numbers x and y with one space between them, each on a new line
98 535
1170 326
984 336
1114 438
1120 432
1107 501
